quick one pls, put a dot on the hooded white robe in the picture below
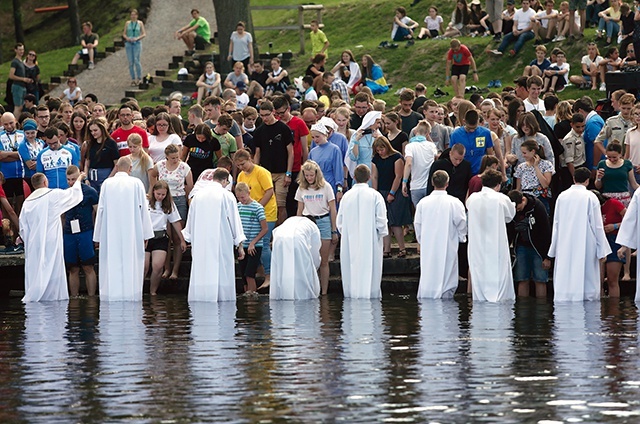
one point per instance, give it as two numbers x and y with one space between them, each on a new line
213 228
362 221
440 223
489 257
123 223
295 258
578 241
629 232
41 230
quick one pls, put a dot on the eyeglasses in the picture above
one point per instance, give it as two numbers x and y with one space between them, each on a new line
31 54
279 112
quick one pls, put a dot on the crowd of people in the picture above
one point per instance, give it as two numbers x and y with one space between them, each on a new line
281 179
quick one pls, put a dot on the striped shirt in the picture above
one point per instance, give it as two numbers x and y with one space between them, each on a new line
250 216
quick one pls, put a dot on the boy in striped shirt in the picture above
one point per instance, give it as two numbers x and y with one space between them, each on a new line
254 225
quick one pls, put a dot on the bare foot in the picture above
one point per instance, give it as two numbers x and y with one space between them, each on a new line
165 275
173 277
626 277
154 294
266 284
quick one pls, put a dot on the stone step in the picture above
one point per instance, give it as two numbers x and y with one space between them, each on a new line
133 92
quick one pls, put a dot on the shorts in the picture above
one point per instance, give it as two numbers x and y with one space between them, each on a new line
434 33
249 265
78 249
280 190
457 70
18 92
417 194
577 4
613 256
83 53
494 9
181 206
324 225
587 78
13 187
529 265
160 243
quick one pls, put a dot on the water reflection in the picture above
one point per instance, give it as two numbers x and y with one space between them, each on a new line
323 360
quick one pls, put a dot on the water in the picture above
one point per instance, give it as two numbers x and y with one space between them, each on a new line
327 360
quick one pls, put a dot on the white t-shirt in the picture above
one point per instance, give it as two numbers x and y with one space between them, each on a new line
404 20
586 60
316 202
562 67
241 46
543 13
242 101
433 24
523 19
156 148
422 155
159 219
528 106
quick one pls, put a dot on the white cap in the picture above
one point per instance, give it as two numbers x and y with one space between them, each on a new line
319 127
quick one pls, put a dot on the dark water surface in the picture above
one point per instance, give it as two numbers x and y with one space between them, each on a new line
327 360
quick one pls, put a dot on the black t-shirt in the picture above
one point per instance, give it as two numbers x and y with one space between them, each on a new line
272 140
418 102
89 38
261 78
309 72
104 155
409 122
201 155
386 170
400 139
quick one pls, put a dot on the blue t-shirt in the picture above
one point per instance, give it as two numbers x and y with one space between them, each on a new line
10 143
29 152
591 131
54 164
476 144
542 66
83 211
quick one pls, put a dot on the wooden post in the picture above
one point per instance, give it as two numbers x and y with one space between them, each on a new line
301 24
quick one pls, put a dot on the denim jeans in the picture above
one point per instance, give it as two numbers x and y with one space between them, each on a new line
266 248
133 56
611 27
519 40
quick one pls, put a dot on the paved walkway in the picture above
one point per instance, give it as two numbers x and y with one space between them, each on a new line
110 78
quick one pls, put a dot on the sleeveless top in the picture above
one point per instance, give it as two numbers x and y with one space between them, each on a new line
133 30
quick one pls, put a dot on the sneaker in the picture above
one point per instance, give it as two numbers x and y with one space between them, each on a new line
497 84
498 37
491 84
538 42
603 87
560 38
91 65
494 52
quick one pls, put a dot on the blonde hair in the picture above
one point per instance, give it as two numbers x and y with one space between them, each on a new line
311 166
145 159
242 188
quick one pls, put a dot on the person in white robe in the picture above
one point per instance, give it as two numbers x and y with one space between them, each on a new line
488 250
629 234
578 242
123 224
213 228
295 259
362 221
41 230
440 224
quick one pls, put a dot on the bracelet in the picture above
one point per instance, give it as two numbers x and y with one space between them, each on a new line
404 180
475 72
393 193
334 232
287 174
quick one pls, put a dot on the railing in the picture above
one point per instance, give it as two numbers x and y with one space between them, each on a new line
301 27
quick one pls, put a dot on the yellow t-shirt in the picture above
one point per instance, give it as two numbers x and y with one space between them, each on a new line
317 42
613 14
259 181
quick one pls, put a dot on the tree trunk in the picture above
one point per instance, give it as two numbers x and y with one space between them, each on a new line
74 20
17 22
228 13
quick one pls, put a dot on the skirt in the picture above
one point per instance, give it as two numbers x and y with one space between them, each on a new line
398 211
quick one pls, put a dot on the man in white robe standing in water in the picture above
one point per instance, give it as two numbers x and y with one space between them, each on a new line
362 221
629 234
295 259
578 242
489 256
441 224
123 224
41 230
213 229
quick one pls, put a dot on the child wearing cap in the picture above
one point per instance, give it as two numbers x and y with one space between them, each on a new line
242 99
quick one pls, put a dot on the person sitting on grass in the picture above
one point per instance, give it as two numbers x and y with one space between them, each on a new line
434 25
544 23
403 26
590 73
555 78
538 65
522 31
610 63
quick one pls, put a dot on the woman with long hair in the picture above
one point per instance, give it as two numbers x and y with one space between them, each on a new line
348 70
534 173
132 34
528 128
209 83
79 130
102 154
373 76
393 128
141 162
162 136
201 150
32 71
460 18
342 117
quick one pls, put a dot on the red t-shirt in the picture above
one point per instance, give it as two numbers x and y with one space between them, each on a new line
461 57
611 212
120 136
300 133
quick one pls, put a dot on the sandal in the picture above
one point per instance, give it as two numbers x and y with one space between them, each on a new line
402 253
386 255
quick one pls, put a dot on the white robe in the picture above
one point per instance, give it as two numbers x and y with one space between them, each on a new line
629 232
445 225
122 225
41 230
578 240
362 221
295 258
213 228
489 256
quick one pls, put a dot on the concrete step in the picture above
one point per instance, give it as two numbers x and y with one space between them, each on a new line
134 92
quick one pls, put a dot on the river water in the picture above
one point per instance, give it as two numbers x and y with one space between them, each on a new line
326 360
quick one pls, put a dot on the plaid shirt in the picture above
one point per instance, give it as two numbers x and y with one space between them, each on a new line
341 87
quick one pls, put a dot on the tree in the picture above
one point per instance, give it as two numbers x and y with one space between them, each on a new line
74 20
17 22
228 13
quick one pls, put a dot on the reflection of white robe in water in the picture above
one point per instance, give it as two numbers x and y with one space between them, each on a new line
41 230
362 221
122 225
295 258
213 229
445 225
629 233
489 257
577 242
